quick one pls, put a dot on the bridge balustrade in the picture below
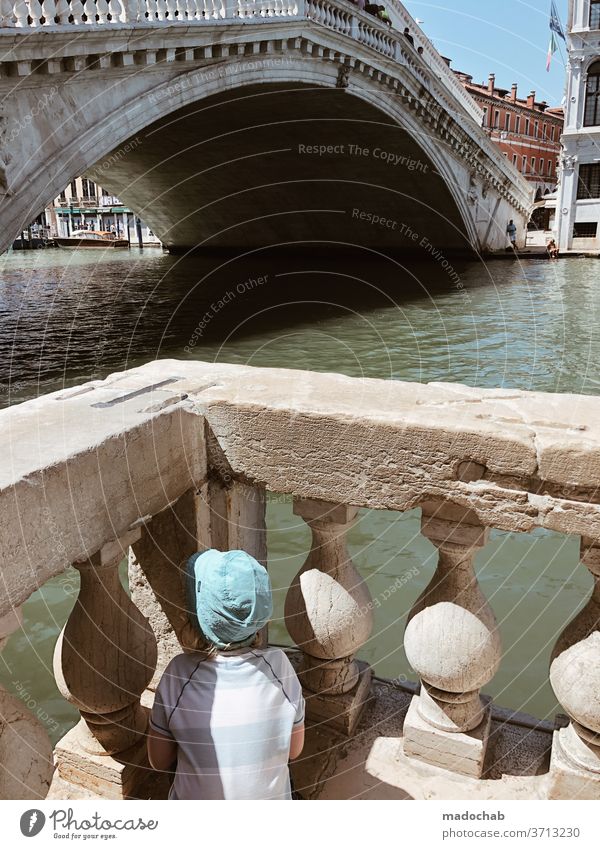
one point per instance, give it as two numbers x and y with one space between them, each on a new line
339 15
175 456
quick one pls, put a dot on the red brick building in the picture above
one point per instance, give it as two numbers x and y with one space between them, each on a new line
527 131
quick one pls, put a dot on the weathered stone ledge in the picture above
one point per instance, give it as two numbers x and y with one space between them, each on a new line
91 461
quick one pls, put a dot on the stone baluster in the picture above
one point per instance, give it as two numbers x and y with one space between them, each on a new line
89 9
102 11
156 576
103 661
588 619
7 14
63 12
452 641
25 751
149 10
329 615
161 9
77 11
575 679
21 13
364 33
117 11
48 12
35 12
171 10
132 11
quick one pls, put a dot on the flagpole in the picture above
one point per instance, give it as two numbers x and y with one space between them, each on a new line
561 55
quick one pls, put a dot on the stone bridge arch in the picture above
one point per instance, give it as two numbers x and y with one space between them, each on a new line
145 171
100 120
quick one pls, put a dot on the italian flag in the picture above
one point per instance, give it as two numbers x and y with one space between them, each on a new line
552 48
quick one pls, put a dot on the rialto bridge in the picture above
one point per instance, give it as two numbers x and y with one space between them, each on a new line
234 123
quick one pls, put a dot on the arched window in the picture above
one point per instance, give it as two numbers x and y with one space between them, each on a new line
591 115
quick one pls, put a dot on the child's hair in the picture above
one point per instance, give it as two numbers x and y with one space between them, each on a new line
193 640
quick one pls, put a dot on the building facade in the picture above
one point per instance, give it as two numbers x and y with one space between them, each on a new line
84 205
579 194
526 131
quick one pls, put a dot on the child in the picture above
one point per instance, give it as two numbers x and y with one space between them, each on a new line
229 713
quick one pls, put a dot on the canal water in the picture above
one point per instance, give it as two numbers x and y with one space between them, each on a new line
66 317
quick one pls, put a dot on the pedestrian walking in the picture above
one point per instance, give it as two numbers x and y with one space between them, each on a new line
512 233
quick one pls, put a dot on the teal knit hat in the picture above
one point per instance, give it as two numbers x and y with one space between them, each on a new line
229 596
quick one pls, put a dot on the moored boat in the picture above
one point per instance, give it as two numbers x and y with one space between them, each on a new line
91 239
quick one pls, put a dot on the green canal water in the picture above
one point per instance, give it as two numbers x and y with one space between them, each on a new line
66 317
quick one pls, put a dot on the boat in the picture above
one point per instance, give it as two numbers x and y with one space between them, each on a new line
25 244
91 239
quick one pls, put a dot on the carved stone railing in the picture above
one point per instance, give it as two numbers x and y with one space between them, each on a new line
177 456
340 15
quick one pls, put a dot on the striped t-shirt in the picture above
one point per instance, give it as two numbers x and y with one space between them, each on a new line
232 718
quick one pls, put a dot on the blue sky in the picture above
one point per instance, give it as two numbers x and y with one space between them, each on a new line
509 38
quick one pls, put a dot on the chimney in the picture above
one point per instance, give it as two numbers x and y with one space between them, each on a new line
531 100
491 83
513 93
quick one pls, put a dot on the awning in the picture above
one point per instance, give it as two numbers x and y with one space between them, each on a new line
102 210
